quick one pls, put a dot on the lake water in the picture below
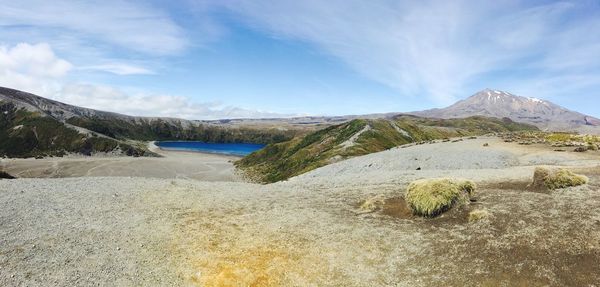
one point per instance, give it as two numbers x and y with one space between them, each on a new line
239 149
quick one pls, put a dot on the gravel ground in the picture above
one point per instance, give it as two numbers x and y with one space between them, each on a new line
308 231
468 158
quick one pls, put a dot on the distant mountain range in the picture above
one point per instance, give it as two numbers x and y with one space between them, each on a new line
501 104
32 126
35 126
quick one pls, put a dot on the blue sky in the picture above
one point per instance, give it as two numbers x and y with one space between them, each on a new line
203 59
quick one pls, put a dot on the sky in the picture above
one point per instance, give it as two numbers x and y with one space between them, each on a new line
201 59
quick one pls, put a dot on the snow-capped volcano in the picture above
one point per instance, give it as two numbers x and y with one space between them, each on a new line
501 104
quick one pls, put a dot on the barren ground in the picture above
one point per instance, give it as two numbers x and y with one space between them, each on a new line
172 164
309 231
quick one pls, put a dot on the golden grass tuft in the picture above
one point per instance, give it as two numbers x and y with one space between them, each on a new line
431 197
372 204
540 174
478 214
556 179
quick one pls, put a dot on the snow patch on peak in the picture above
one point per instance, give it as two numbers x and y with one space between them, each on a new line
535 100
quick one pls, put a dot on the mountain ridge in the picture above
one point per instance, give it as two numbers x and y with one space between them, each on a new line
27 116
33 126
496 103
358 137
62 111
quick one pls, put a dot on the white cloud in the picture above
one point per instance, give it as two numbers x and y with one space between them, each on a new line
37 60
37 69
154 105
34 68
134 26
122 69
442 49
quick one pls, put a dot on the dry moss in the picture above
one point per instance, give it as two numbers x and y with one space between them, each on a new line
372 204
431 197
556 179
478 214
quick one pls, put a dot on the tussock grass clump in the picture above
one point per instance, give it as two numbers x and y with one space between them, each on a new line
478 214
556 179
431 197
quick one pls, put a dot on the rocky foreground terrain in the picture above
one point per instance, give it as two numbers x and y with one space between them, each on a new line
311 230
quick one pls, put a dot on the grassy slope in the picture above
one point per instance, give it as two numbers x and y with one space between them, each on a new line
283 160
31 134
28 134
162 130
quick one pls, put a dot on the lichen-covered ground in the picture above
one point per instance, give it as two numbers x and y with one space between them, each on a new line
310 230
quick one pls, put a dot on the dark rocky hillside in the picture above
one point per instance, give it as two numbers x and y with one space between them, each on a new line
30 134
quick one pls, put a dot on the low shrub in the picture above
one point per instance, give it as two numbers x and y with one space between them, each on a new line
431 197
556 179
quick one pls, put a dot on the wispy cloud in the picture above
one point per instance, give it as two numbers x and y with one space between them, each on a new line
442 49
438 50
155 105
129 25
122 69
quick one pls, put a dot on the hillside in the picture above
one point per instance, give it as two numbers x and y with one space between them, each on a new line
541 113
36 126
31 134
359 137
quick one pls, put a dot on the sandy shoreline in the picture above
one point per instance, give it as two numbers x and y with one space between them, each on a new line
307 231
159 150
171 164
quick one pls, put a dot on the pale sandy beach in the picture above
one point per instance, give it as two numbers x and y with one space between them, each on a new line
309 230
171 164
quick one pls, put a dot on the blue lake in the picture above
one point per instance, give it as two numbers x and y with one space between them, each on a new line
239 149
